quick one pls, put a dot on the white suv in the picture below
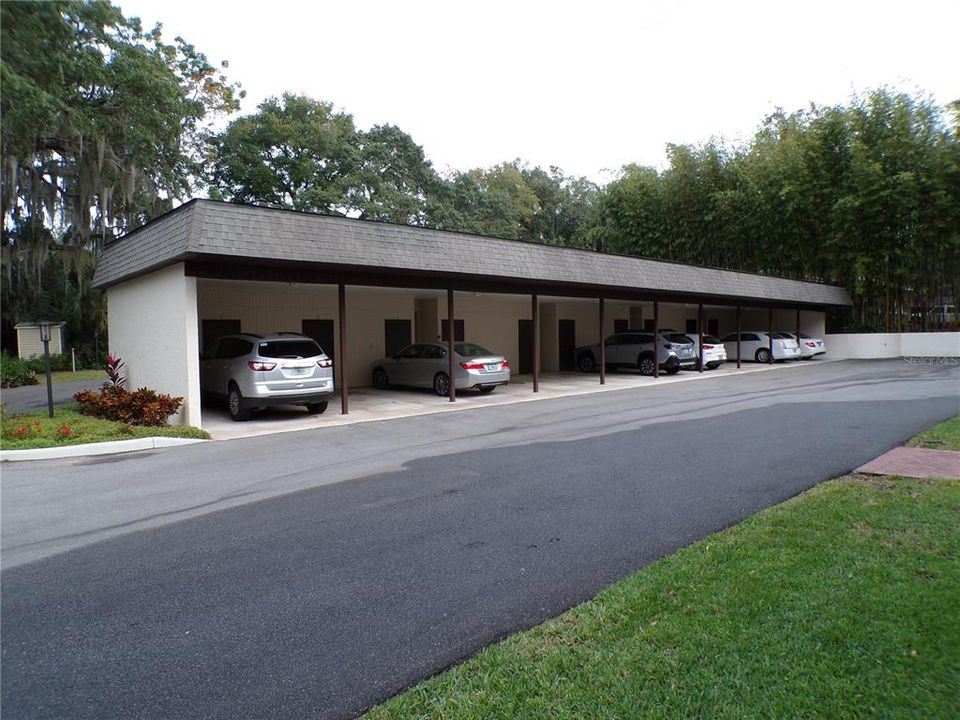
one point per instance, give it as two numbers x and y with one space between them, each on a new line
255 371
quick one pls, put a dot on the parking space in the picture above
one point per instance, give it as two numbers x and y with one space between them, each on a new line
368 404
379 324
365 291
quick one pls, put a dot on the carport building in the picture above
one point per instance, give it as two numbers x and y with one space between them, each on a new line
365 289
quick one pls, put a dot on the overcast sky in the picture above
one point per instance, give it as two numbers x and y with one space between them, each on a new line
587 86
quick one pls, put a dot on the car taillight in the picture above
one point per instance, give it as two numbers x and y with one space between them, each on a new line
810 344
708 347
260 366
471 366
325 363
504 364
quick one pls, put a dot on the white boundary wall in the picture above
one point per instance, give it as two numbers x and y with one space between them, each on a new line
153 329
892 345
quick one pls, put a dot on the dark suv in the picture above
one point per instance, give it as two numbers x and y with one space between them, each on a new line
254 371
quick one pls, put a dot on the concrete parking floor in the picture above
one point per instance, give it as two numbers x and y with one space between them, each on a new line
368 404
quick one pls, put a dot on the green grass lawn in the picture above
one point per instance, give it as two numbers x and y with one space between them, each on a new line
843 602
945 436
69 427
68 376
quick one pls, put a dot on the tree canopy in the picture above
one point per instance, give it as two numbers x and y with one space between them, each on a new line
102 129
302 154
111 125
865 195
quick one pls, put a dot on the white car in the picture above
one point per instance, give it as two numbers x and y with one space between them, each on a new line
713 354
755 345
809 347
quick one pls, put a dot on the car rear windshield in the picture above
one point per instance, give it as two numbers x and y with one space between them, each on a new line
289 349
712 340
678 338
470 350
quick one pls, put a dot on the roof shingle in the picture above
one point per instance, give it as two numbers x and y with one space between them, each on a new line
204 227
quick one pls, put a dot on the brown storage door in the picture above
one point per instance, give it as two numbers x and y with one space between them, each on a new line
567 335
525 345
210 330
396 336
322 332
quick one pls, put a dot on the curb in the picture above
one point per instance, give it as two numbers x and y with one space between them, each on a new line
126 446
111 447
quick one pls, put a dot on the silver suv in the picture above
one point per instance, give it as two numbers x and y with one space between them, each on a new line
635 349
254 371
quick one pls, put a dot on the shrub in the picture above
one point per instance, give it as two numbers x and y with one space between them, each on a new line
58 363
115 371
142 407
15 372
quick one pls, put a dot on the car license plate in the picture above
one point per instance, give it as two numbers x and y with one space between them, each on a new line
298 371
492 366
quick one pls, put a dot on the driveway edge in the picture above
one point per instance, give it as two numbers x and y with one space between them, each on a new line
111 447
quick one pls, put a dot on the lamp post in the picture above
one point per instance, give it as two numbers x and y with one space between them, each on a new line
45 337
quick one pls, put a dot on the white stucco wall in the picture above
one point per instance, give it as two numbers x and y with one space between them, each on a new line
153 328
265 308
945 344
489 320
892 345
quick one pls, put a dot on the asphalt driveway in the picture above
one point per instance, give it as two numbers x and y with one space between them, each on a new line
317 573
34 397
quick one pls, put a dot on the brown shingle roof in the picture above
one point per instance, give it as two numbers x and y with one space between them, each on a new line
204 228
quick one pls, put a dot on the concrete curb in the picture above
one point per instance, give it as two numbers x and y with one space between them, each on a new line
112 447
126 446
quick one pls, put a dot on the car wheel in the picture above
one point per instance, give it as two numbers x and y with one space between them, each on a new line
763 355
236 405
673 369
646 364
317 408
380 379
488 389
441 384
585 363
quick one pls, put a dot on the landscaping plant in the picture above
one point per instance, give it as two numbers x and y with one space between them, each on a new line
114 402
15 372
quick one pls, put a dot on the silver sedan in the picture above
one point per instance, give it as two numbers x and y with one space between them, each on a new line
426 365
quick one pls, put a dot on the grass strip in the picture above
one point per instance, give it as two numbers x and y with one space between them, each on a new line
68 427
70 376
945 436
843 602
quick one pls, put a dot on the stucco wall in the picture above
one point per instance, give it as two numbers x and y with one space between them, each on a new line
892 345
489 320
930 344
153 328
265 308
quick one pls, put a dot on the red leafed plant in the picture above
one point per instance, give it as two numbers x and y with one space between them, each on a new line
141 407
115 402
114 371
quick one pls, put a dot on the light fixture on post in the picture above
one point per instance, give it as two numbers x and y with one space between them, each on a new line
45 338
